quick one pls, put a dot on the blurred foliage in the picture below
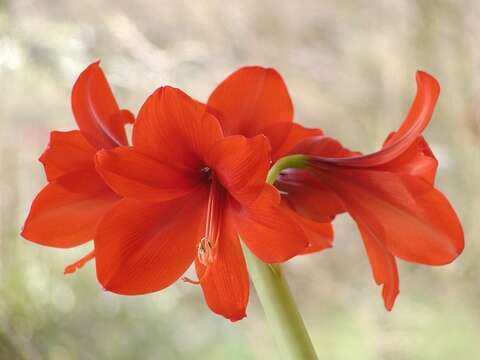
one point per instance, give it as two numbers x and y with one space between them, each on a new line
350 67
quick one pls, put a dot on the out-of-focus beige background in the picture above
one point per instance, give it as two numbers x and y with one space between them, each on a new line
350 67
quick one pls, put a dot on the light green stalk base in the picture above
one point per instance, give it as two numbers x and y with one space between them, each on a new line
280 309
287 162
277 301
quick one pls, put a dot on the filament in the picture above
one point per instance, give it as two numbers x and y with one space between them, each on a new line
207 247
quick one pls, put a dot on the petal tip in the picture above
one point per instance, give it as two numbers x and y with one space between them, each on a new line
127 116
237 317
389 300
450 255
70 269
425 77
22 232
93 67
454 255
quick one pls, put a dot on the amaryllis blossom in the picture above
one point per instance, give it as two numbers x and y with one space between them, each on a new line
390 194
66 211
188 193
255 100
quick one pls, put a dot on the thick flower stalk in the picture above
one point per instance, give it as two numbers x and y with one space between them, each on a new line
284 319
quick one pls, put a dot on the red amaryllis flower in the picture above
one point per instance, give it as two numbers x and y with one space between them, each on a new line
66 211
255 100
189 191
390 194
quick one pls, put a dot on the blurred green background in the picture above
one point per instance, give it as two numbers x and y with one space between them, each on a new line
350 67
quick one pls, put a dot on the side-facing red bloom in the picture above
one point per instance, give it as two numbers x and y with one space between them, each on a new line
254 100
66 211
390 194
189 192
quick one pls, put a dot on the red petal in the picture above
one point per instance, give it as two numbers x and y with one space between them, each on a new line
414 221
307 196
96 111
241 165
67 152
323 146
138 176
249 100
143 247
175 129
320 235
417 119
268 229
313 199
226 285
304 193
418 160
285 136
66 212
384 267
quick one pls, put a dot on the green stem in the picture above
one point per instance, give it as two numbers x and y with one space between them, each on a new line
277 301
287 162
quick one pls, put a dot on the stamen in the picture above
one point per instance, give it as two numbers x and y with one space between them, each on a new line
204 251
200 279
190 281
79 264
208 244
